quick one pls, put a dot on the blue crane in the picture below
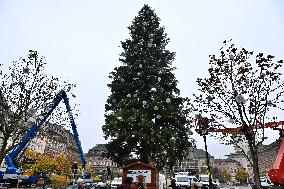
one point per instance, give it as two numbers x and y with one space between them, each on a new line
12 172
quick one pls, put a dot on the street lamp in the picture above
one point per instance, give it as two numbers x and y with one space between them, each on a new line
202 127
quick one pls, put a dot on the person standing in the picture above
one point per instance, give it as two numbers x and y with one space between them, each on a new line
126 184
141 183
75 171
80 184
173 182
194 186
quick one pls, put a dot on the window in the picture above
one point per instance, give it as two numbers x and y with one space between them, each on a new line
204 179
182 179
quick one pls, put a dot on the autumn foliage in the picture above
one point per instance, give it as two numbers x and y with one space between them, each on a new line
241 175
58 167
58 180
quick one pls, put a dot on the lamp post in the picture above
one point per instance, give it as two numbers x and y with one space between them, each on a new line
202 130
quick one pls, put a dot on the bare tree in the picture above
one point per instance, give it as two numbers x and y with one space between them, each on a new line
25 90
240 91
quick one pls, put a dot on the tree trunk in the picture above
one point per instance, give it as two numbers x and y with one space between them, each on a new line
2 149
254 158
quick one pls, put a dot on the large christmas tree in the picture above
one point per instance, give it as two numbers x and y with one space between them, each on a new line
145 118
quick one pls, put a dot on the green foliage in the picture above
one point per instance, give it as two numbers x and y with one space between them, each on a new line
145 118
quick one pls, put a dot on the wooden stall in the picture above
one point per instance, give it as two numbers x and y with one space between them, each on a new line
138 168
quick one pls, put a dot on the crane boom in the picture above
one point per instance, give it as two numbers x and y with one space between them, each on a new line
74 129
276 174
238 130
12 171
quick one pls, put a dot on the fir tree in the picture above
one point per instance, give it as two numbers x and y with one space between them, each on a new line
145 117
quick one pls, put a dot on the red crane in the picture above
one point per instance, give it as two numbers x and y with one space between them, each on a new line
276 174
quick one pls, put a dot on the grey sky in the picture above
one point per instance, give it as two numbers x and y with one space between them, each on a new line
80 41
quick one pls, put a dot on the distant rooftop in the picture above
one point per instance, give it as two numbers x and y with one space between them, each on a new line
195 154
228 160
198 153
274 144
234 154
97 150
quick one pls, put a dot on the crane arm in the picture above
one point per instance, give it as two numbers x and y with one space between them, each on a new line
31 133
238 130
74 129
276 174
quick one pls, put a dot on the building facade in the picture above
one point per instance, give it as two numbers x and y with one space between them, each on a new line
229 165
196 161
95 158
243 161
38 144
60 141
267 156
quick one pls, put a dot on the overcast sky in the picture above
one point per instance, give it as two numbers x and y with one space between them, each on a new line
80 41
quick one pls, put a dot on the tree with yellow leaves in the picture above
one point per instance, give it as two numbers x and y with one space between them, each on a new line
44 164
27 167
58 167
226 176
62 165
241 174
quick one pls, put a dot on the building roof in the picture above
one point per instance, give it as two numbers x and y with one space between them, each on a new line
100 147
195 154
261 148
275 144
228 160
97 150
234 155
198 154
